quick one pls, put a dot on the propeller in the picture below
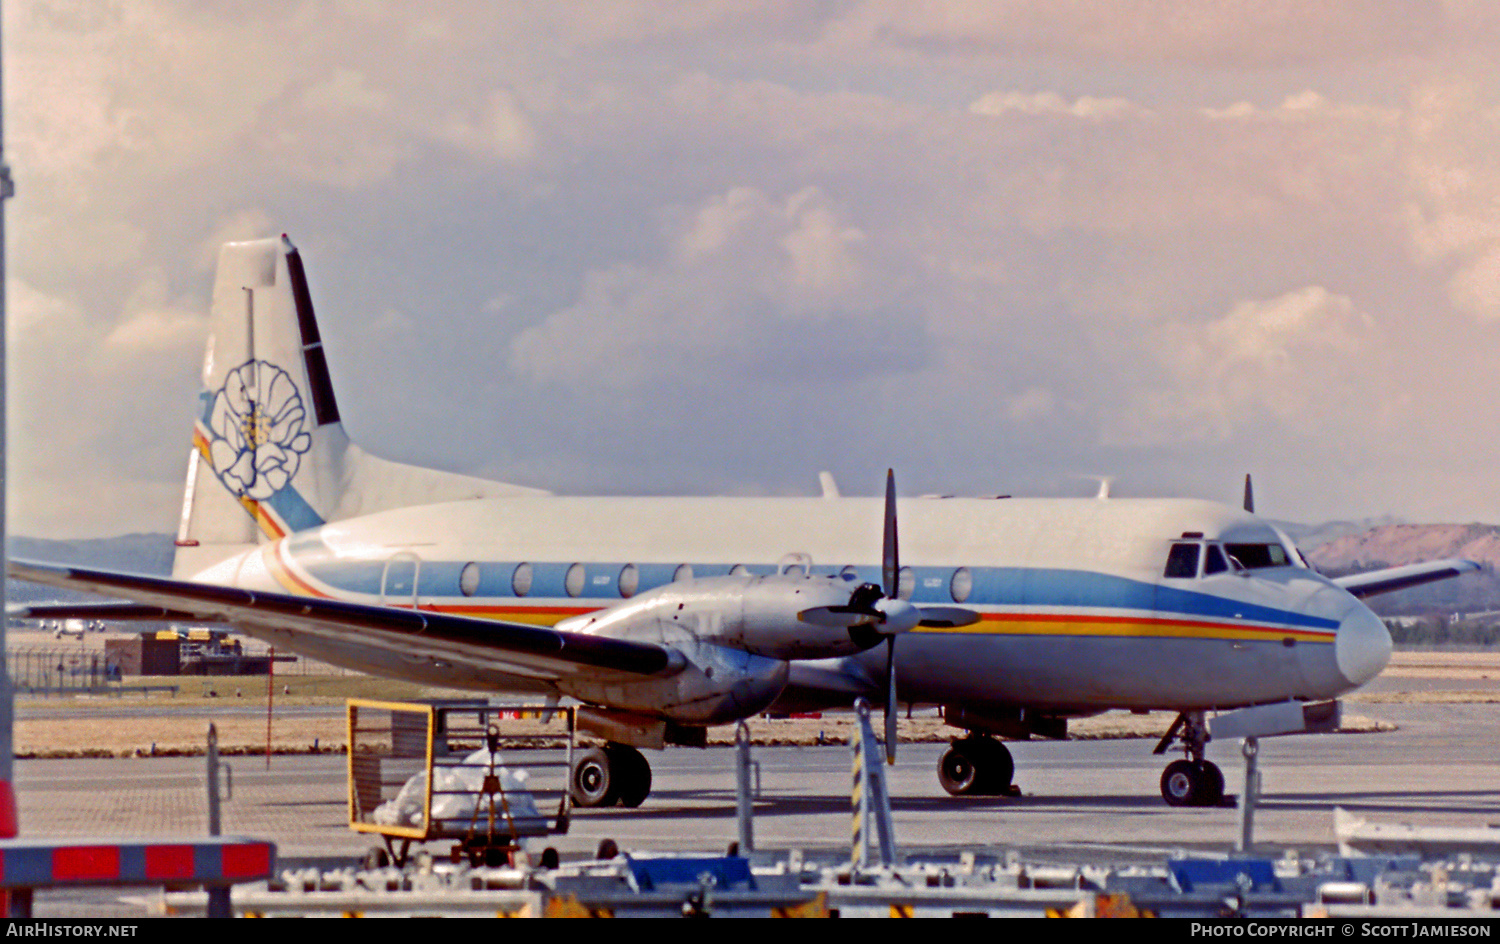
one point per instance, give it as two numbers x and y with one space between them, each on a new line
1249 495
875 611
890 573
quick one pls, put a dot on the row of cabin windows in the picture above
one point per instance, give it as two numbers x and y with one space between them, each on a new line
628 581
1183 558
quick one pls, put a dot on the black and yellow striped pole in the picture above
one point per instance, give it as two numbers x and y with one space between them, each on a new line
869 800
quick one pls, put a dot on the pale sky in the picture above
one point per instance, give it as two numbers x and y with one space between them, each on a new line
715 247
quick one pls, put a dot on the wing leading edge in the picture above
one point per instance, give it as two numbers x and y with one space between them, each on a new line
430 647
1390 579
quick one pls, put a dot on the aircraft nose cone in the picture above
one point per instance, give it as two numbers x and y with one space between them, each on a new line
1363 646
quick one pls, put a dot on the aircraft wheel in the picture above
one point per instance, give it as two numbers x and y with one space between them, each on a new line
976 767
958 772
1213 784
632 774
1185 783
996 767
593 781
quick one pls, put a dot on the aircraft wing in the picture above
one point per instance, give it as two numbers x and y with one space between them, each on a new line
1399 578
433 648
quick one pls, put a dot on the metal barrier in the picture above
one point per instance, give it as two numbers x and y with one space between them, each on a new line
63 670
60 668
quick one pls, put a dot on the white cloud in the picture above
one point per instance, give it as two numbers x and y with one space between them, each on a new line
1299 359
1031 405
1214 33
1305 106
750 276
855 214
1475 288
1086 107
171 331
499 127
1452 214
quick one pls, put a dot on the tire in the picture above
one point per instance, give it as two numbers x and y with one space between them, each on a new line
1213 784
592 782
957 771
632 774
996 767
976 766
1182 784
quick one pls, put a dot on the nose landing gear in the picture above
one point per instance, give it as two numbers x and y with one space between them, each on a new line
1192 781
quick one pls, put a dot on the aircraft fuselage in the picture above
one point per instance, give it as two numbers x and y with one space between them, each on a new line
1078 611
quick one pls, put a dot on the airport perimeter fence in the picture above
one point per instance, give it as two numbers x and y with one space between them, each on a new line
52 669
61 669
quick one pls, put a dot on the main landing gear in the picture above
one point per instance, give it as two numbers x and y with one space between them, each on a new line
614 773
1192 781
976 765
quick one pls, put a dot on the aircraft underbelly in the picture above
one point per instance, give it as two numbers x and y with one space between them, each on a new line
1071 673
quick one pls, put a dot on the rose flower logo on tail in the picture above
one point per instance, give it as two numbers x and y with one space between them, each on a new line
257 425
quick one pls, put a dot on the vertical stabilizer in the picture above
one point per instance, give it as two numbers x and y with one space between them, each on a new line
270 456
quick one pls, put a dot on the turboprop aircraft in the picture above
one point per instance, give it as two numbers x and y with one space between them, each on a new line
663 616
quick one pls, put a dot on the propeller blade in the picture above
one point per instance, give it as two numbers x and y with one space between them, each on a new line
890 557
890 701
1249 495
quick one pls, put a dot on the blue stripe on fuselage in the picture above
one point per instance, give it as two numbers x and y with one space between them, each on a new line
992 586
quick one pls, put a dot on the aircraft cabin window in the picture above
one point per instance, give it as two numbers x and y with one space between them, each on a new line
961 585
683 572
1258 556
1182 561
573 580
630 580
468 579
1213 561
520 581
906 582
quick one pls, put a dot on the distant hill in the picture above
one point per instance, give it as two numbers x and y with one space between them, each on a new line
1312 536
1393 545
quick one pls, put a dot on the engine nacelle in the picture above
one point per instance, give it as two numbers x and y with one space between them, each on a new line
735 635
716 685
756 614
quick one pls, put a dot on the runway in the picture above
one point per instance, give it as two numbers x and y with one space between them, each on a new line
1095 799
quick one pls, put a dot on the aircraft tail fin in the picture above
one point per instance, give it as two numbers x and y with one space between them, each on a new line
270 456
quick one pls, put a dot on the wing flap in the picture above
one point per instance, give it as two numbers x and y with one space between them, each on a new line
377 632
1390 579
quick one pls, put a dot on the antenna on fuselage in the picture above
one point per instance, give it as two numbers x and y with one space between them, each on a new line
829 486
1249 495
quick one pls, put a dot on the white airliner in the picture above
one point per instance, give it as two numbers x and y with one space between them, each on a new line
666 615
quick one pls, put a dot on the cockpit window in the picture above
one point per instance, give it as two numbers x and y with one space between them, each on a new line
1257 556
1213 561
1182 561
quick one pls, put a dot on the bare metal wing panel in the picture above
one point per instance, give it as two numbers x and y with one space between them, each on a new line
377 632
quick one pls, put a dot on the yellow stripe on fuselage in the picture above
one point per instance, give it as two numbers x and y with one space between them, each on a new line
1079 624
